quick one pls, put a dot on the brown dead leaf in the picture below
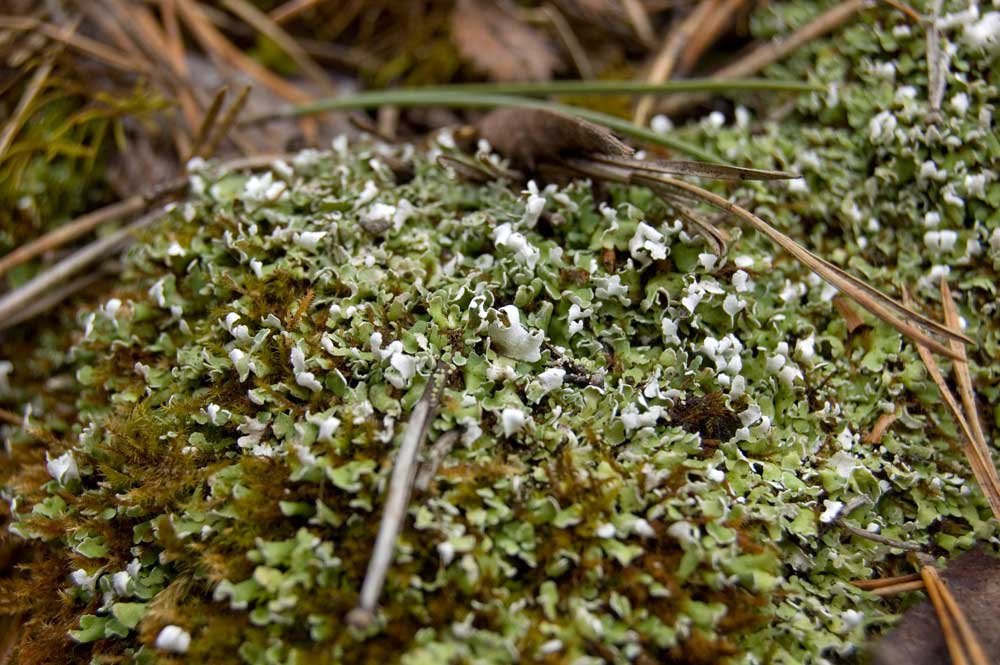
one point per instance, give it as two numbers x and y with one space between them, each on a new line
529 136
851 318
500 45
974 580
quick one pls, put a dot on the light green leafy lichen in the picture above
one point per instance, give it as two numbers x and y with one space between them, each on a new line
656 443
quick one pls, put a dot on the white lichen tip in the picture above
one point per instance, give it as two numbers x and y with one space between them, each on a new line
513 420
514 340
173 639
63 468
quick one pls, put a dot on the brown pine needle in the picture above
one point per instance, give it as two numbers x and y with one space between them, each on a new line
883 582
85 45
666 59
208 122
772 51
178 59
982 469
291 9
268 27
882 425
707 33
637 16
962 643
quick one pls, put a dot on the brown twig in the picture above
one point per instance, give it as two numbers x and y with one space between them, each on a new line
882 582
879 538
178 58
435 456
639 19
707 33
666 59
882 425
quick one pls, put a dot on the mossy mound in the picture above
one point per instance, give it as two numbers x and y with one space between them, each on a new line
656 443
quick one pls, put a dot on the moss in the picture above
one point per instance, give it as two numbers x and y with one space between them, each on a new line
669 498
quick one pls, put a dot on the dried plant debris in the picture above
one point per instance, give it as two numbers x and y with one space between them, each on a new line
973 579
500 45
218 487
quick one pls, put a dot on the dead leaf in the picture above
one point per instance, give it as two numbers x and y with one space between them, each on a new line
974 580
500 45
529 136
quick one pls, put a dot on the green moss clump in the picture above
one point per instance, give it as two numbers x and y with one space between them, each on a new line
656 442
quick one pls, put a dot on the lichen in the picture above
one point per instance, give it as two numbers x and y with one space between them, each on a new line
657 442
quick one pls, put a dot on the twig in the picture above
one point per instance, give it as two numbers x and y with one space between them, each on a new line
771 52
666 59
882 425
400 486
268 27
879 538
707 33
53 298
983 470
895 589
435 456
937 63
75 229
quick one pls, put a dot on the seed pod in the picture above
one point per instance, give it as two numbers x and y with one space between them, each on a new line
530 136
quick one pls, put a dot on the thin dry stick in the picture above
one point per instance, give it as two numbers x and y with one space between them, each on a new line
969 639
983 470
933 584
400 486
53 298
771 52
937 62
437 453
265 25
31 92
896 589
208 121
879 538
225 126
666 59
291 9
570 40
72 230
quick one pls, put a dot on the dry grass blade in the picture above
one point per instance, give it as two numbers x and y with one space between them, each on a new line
895 314
708 32
717 239
696 169
79 43
983 470
270 29
178 60
24 105
637 16
400 487
666 59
